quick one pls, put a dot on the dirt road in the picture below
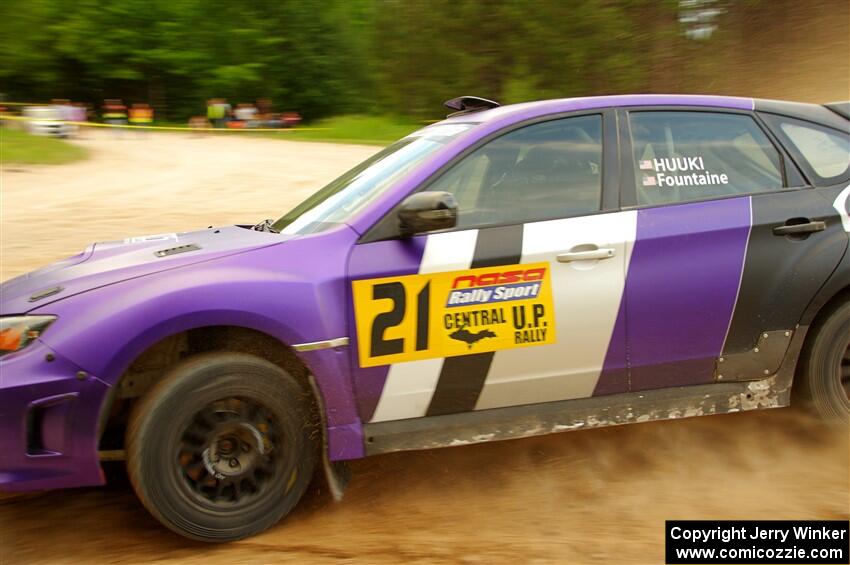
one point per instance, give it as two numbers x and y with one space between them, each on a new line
598 496
150 183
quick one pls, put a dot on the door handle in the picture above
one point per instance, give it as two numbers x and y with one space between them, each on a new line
806 226
591 255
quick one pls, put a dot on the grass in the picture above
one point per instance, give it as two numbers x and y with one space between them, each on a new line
367 130
20 148
358 129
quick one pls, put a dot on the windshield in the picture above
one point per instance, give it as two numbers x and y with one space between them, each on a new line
353 191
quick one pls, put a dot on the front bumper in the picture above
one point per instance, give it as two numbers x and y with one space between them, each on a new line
48 422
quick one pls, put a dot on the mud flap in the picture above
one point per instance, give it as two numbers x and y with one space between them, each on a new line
337 473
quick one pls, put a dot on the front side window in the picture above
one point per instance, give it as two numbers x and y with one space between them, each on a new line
685 156
542 171
353 191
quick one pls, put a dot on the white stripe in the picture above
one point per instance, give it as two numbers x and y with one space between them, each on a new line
840 205
408 390
409 386
448 252
587 299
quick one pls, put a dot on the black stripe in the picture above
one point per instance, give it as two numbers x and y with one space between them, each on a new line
422 309
781 275
462 377
498 246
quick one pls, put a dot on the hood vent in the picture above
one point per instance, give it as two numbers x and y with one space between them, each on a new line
179 249
45 293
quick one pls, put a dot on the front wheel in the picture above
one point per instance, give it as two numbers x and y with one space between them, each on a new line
223 447
826 367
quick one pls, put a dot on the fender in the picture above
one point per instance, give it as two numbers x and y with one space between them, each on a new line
279 290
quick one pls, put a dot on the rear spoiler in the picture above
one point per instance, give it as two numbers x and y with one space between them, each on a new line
840 108
468 104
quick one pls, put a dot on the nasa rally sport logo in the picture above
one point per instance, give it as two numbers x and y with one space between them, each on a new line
454 313
494 287
514 285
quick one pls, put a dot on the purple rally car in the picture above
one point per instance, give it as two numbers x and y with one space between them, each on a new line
507 272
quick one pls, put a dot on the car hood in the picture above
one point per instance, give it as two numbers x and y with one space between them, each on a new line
109 262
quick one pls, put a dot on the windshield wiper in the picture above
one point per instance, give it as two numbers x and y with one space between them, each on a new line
267 226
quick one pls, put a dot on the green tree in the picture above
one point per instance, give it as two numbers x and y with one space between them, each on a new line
325 57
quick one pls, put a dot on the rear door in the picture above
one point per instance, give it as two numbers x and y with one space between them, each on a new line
731 245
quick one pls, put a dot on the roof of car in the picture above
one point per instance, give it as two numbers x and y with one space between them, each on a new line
530 110
542 107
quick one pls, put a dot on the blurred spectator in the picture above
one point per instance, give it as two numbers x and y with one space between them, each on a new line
141 115
115 113
246 114
78 112
77 116
91 113
198 123
290 119
273 121
264 106
65 112
218 112
64 109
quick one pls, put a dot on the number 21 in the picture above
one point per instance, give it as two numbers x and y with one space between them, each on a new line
379 345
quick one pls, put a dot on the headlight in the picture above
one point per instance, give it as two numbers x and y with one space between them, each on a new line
16 332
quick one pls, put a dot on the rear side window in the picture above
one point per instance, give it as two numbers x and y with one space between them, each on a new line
825 150
685 156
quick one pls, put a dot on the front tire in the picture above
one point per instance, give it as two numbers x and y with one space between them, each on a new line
826 367
223 447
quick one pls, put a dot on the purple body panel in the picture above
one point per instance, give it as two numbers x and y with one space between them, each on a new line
118 299
71 408
681 288
280 290
379 259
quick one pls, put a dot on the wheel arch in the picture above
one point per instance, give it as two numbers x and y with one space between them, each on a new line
154 352
839 297
115 366
818 315
825 303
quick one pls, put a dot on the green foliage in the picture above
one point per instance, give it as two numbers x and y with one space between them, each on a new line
327 57
18 147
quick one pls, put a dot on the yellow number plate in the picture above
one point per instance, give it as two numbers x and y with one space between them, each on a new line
453 313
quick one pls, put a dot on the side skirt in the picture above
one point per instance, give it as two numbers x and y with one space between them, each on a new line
595 412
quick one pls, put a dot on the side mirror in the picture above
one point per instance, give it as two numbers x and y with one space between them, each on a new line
427 211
